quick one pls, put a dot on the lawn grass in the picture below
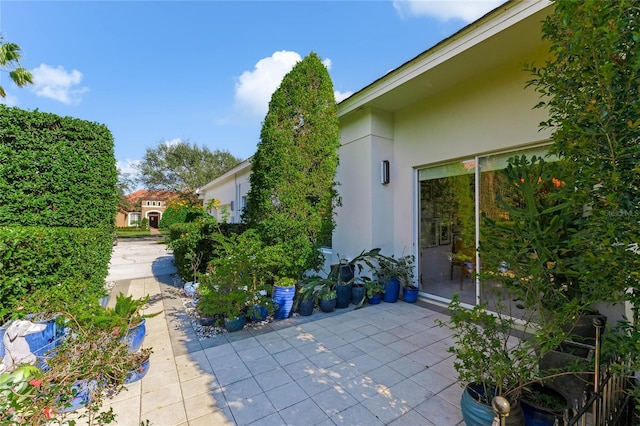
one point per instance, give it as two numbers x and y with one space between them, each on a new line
132 233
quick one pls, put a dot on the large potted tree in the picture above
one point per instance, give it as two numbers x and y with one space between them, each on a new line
495 356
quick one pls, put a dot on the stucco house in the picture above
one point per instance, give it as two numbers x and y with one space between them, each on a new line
230 189
421 145
145 204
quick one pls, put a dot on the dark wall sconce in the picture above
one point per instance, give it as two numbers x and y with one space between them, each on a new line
232 205
384 172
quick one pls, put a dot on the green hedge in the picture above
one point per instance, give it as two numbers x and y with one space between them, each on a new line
33 257
58 201
180 213
55 171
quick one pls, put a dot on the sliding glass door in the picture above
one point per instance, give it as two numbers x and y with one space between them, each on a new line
452 198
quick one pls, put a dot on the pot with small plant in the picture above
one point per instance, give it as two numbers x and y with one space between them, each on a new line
308 293
374 290
284 291
358 290
395 273
126 319
327 299
544 406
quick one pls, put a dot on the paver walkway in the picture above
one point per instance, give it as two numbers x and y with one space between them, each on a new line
382 364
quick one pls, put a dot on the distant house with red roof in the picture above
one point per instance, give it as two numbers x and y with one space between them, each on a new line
145 204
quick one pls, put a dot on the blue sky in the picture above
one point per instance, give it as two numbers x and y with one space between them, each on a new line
203 71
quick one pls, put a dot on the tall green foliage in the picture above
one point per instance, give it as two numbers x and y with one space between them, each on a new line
591 88
55 171
58 200
293 188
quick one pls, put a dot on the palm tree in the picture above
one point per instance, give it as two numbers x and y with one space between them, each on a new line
10 61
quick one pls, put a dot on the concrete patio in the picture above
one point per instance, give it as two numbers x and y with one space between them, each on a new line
382 364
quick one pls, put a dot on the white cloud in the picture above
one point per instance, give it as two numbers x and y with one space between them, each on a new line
254 88
9 100
58 84
128 166
444 10
173 142
341 96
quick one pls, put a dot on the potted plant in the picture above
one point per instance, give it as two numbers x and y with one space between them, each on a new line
226 305
493 359
543 406
526 248
405 268
395 273
358 290
374 290
327 299
284 291
79 372
309 291
126 319
342 273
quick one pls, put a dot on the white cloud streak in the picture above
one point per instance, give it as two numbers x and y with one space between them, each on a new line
128 166
58 84
254 88
445 10
9 100
173 142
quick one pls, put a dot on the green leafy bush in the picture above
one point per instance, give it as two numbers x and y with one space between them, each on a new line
55 171
34 257
180 212
193 243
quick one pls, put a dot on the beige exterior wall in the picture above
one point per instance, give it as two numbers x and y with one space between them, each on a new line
230 189
464 97
152 206
489 111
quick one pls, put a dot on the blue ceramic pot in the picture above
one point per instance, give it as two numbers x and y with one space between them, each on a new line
283 298
135 335
392 290
537 415
375 299
258 313
82 397
235 324
137 374
409 295
306 307
343 296
476 413
327 305
39 340
357 294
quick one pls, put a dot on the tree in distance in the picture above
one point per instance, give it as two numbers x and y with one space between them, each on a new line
182 167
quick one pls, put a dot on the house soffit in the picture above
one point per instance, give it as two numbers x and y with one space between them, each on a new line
504 35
